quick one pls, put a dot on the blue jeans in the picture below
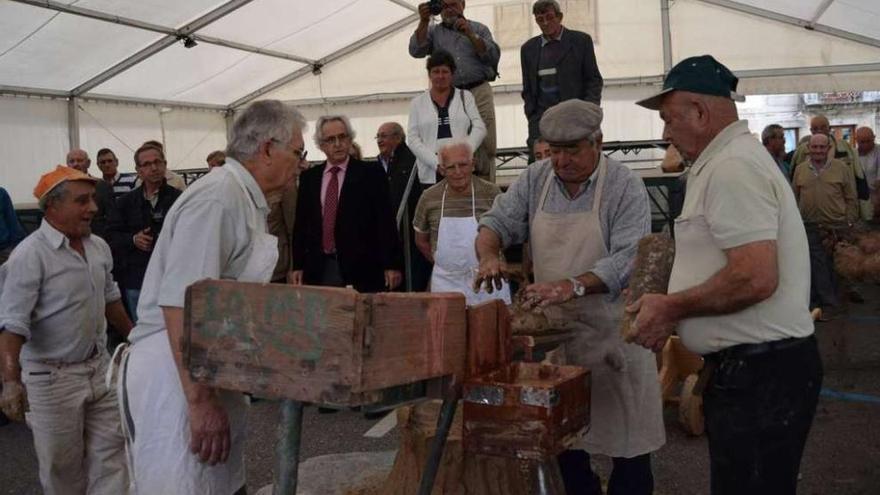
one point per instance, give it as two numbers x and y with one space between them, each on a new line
131 302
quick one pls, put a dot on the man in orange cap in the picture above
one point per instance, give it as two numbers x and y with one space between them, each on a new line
56 295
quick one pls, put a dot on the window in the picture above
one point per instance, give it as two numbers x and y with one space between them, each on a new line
792 135
845 133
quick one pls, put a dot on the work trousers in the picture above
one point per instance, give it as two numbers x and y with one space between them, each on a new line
484 156
629 476
75 423
823 283
758 413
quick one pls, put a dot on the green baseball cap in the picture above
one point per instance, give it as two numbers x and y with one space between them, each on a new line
703 75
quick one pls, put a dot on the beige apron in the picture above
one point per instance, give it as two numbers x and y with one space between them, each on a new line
625 408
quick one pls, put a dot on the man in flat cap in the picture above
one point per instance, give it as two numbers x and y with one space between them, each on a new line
584 214
733 297
56 295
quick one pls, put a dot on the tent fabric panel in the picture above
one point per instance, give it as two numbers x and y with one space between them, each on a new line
203 74
815 83
17 21
168 13
308 29
34 140
68 51
189 135
802 9
746 42
856 16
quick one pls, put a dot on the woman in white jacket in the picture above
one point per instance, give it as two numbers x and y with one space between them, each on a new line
440 114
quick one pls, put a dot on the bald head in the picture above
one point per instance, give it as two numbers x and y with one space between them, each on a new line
819 144
79 160
820 125
693 120
865 140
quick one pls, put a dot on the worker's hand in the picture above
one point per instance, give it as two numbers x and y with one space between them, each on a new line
492 272
654 321
13 401
424 12
295 277
547 293
392 279
463 26
209 431
143 240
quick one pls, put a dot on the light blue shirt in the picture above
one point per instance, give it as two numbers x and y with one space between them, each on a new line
55 298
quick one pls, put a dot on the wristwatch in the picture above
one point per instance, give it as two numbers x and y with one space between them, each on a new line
577 287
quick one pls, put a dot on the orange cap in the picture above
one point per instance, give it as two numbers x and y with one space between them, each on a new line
61 174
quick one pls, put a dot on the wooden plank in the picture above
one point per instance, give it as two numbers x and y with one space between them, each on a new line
273 340
488 336
412 337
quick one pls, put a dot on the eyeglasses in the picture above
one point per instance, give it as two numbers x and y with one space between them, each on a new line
335 140
300 154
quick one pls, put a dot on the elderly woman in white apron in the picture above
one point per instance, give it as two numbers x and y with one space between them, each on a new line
455 261
583 215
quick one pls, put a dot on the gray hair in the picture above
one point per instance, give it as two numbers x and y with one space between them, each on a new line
455 143
769 132
319 127
545 5
56 194
262 121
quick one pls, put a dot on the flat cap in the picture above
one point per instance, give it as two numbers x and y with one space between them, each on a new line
61 174
570 121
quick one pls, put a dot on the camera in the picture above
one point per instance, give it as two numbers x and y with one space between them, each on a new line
436 6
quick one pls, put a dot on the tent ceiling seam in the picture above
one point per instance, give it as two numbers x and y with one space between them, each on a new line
794 21
820 11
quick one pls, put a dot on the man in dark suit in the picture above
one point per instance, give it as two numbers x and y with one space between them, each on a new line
344 227
557 65
398 162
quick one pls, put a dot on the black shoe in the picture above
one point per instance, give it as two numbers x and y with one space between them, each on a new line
373 415
327 410
855 296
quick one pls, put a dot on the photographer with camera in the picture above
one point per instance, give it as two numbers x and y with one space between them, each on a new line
136 221
476 57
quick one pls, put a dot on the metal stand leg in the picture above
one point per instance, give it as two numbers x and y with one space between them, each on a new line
543 477
444 422
287 450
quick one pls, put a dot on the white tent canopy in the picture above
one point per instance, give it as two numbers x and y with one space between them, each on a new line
113 73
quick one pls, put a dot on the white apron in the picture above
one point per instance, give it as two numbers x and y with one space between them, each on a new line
163 463
455 259
625 407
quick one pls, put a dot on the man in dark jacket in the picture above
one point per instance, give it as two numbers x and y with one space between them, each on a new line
344 232
557 65
398 162
137 220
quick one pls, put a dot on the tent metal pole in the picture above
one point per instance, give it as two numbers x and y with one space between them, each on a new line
168 40
667 36
73 121
820 11
794 21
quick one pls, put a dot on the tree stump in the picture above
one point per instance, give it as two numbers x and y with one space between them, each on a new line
460 473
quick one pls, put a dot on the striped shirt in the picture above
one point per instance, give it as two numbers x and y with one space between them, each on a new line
427 216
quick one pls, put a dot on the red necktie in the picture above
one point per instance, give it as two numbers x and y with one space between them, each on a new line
331 203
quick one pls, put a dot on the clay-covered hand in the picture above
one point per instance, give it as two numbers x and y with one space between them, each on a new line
13 401
654 321
491 274
546 293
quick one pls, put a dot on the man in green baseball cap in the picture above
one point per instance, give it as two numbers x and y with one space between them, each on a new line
732 297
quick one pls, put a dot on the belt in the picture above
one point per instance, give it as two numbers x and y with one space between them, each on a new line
59 362
470 86
743 351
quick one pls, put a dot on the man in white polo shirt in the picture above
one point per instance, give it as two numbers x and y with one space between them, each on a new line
739 289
